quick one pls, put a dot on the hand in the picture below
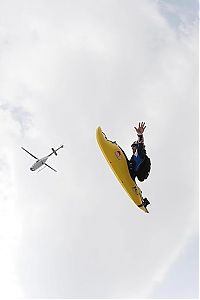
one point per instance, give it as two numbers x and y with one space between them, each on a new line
140 128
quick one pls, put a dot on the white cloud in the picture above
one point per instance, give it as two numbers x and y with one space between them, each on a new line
67 67
10 226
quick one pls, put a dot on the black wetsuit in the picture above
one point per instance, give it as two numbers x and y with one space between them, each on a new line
140 165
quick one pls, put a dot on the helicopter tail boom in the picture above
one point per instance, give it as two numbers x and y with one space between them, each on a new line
54 151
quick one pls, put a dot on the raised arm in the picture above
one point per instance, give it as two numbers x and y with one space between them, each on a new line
140 131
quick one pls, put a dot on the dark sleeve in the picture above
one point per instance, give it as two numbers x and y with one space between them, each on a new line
140 138
141 150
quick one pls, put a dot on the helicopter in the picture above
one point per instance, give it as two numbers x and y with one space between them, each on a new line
42 161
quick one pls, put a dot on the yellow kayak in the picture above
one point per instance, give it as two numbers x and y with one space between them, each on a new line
117 160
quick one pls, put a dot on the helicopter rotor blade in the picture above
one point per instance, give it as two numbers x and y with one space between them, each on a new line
50 167
29 153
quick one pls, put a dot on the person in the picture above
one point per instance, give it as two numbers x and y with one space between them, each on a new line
139 164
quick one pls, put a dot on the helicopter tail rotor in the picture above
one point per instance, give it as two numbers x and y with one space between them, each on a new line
54 151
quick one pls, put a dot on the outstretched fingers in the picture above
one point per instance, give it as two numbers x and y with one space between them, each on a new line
143 125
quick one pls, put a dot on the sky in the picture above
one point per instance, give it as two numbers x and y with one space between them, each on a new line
67 67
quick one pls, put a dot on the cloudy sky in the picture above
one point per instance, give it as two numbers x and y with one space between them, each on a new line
67 67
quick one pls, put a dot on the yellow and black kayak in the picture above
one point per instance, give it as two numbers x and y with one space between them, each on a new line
117 160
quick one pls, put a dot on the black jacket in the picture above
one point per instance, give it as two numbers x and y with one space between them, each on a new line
144 168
